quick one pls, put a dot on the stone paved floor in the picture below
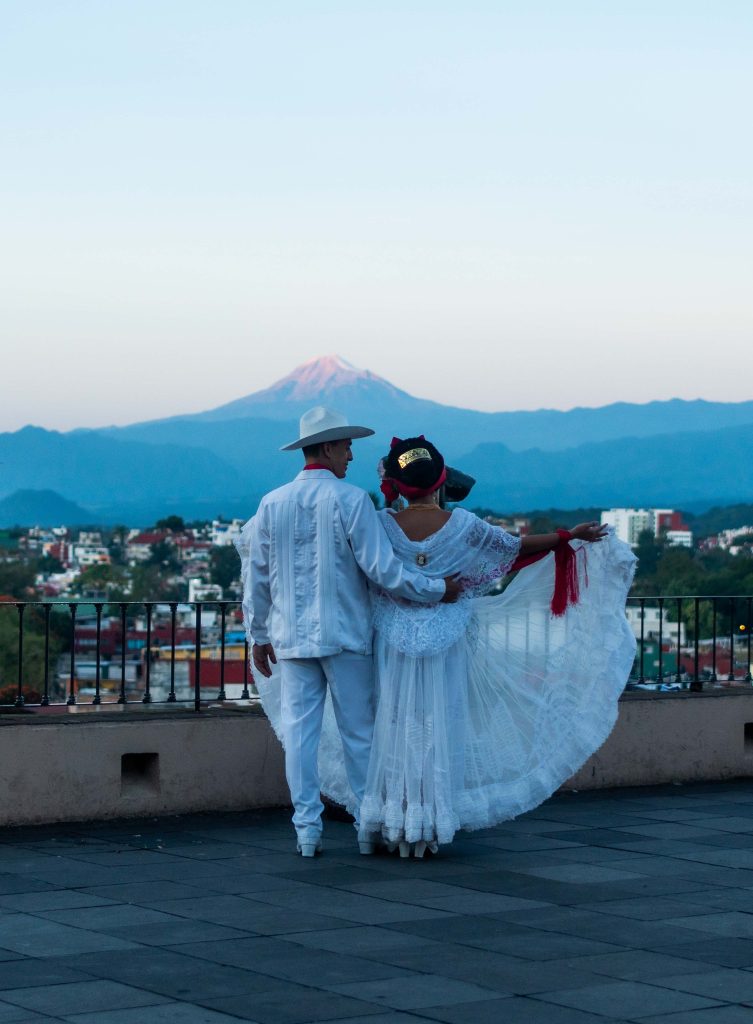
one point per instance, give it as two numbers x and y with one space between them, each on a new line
626 905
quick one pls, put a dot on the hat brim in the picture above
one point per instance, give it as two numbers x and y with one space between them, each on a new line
333 434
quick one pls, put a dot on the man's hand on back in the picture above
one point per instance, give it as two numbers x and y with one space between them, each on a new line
262 654
453 589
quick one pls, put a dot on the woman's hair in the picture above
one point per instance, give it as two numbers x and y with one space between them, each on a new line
415 463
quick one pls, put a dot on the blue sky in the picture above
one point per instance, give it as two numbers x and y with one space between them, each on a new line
500 205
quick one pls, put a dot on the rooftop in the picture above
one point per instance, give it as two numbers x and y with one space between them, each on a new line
612 905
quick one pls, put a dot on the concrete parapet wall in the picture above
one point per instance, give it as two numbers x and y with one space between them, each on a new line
111 764
674 737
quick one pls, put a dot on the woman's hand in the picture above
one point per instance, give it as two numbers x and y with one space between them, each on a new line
590 532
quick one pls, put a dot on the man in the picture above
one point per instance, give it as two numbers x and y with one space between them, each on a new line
306 557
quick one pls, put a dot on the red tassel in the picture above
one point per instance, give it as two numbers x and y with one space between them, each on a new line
566 590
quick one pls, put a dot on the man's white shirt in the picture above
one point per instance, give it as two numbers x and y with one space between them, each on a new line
306 556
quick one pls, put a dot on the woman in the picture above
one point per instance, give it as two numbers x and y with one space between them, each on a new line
486 706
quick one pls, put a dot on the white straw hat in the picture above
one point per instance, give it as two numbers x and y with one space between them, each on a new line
321 424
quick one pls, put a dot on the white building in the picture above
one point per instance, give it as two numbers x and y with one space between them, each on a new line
224 534
651 622
630 523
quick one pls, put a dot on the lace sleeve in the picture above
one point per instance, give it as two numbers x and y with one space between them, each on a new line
495 550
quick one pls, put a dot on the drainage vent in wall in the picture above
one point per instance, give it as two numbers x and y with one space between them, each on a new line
749 737
139 773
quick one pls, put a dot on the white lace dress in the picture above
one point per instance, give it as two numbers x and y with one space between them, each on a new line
486 706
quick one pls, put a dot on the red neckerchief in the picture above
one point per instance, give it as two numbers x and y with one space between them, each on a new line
316 465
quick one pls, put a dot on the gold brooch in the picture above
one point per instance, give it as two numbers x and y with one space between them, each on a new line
412 456
422 559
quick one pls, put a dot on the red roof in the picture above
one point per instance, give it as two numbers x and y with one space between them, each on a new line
148 538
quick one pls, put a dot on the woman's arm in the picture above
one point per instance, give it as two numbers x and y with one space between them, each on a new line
589 532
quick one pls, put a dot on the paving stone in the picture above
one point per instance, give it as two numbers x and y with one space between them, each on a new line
581 874
20 1015
727 952
169 1013
177 976
142 893
349 906
297 1005
633 965
605 927
177 932
30 972
11 884
414 992
514 1010
37 937
650 909
249 915
724 984
286 961
51 899
715 1015
80 997
731 923
115 915
363 941
626 999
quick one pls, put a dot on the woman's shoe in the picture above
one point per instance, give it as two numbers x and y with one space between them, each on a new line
404 849
420 848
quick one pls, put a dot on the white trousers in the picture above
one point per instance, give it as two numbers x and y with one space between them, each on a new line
303 683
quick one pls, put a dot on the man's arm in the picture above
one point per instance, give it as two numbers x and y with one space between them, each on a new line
253 548
377 560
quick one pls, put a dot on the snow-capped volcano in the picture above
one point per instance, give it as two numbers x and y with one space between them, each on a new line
325 380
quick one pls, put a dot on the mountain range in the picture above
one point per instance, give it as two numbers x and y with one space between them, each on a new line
692 454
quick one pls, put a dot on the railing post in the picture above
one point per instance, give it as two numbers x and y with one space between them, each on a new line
223 612
20 694
97 679
660 674
173 611
147 698
696 684
641 677
679 638
72 682
714 677
122 699
45 702
731 676
197 666
246 695
748 624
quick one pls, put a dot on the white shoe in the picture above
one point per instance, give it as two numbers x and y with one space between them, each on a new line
366 848
404 849
309 847
420 848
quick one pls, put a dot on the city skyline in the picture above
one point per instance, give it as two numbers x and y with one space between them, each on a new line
493 208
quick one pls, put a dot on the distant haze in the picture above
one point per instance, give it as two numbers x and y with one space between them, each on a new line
495 205
223 459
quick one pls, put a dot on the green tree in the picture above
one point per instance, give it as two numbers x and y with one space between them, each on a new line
17 579
108 580
225 566
33 652
173 523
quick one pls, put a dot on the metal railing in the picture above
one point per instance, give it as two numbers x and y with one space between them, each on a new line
138 654
80 653
692 640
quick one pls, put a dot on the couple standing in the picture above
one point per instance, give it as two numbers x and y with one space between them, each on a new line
423 706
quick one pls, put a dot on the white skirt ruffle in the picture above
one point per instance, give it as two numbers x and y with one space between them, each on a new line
489 728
